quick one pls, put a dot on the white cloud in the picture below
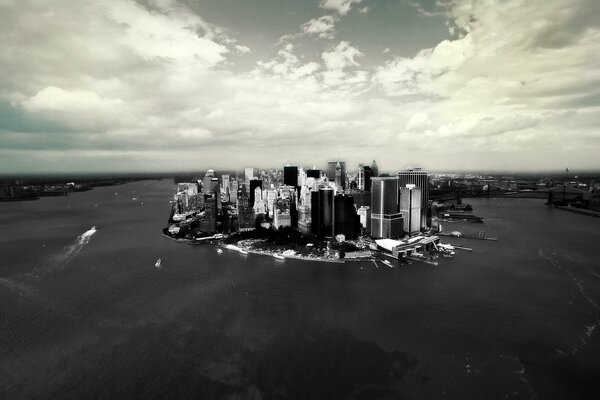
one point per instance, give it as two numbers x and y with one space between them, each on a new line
243 49
341 6
342 56
56 99
324 26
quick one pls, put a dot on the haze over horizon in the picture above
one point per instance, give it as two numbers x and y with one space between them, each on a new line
166 85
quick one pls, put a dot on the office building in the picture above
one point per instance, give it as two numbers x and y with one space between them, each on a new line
322 212
374 169
290 175
346 221
364 214
410 207
386 219
254 183
246 216
313 173
419 178
364 177
331 172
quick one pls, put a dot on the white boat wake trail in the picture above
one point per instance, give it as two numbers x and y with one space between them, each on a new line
69 252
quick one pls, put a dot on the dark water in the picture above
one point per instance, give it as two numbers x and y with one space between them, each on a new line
87 315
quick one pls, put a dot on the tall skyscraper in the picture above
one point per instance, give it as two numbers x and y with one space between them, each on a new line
386 219
420 179
254 183
313 173
346 221
374 169
248 176
206 182
364 177
215 187
410 207
290 175
226 181
246 216
322 212
331 168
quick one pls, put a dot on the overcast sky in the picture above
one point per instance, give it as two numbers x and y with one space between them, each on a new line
164 85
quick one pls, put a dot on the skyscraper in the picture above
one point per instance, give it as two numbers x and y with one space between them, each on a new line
410 207
331 168
254 183
290 175
386 219
419 178
364 177
374 169
322 212
313 173
346 221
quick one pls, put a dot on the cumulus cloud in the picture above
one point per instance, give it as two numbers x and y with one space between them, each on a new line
324 26
56 99
341 6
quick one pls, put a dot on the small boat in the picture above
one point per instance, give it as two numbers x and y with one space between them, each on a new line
158 263
242 251
220 251
386 262
278 256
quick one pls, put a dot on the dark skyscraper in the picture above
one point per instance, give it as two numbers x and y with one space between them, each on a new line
346 221
313 173
246 217
254 183
322 212
290 176
420 179
331 168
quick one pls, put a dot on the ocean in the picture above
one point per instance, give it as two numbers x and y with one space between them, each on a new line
84 312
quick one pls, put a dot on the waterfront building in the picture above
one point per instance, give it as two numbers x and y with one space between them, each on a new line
410 207
322 212
345 222
290 175
332 166
386 219
419 178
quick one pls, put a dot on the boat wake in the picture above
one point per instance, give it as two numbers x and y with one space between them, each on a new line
69 252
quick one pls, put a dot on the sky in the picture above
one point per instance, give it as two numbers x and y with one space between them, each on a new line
181 85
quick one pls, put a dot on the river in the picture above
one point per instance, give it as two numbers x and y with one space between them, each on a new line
84 312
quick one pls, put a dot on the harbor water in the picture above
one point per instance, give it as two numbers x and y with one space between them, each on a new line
85 312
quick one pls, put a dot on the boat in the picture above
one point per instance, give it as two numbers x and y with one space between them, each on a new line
242 251
278 256
220 251
386 262
158 263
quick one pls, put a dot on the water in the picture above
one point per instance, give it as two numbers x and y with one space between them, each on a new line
85 313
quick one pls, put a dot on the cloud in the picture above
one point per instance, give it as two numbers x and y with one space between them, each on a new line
342 56
324 26
151 85
341 6
56 99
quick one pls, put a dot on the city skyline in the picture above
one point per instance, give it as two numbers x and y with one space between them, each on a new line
165 85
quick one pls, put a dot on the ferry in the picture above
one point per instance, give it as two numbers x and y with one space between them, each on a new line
242 251
278 256
158 263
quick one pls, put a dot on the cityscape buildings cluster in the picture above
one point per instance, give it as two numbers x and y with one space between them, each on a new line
330 202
